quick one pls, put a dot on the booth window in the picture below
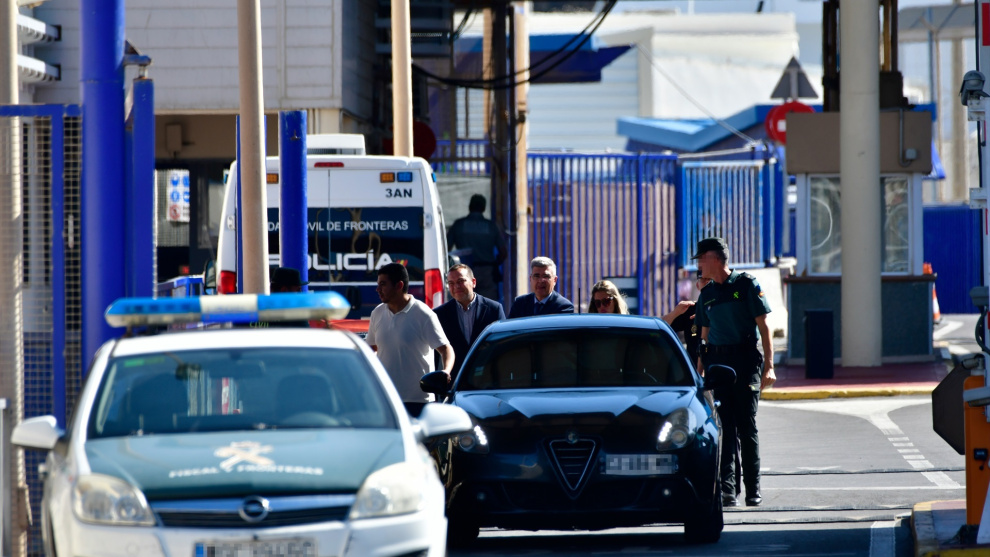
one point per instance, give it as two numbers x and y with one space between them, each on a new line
824 217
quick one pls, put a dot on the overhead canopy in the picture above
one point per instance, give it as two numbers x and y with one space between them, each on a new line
549 58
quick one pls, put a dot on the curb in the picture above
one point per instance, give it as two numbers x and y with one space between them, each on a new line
923 530
926 542
852 392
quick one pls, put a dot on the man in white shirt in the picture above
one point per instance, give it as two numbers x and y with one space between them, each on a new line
404 332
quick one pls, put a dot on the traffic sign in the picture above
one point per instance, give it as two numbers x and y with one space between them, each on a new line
776 122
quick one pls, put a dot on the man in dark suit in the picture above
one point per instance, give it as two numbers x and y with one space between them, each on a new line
543 300
467 314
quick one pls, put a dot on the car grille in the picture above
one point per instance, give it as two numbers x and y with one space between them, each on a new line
573 460
226 513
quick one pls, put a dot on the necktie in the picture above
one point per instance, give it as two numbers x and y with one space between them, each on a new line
538 308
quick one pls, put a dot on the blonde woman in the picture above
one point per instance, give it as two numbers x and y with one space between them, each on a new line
606 298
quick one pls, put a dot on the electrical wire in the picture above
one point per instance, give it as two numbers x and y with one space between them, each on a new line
690 99
500 82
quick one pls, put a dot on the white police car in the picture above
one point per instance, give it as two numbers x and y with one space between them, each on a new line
240 441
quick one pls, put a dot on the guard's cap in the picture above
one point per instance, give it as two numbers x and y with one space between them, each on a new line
710 244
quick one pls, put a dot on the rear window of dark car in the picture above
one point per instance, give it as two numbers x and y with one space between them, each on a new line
565 358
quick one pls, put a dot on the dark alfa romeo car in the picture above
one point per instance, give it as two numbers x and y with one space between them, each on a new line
582 422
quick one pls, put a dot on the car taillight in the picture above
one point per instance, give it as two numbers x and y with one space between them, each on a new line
433 283
228 282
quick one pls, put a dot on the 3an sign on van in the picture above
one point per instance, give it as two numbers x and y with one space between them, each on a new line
178 196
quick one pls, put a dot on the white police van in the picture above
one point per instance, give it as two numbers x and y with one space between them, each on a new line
363 212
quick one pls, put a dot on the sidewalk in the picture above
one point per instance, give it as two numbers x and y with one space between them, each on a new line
937 526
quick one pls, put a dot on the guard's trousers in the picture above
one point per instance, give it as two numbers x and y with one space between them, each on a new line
737 411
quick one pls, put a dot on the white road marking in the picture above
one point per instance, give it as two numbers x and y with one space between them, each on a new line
875 411
945 329
882 541
871 488
908 451
941 479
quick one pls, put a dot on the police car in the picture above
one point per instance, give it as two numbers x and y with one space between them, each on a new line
240 441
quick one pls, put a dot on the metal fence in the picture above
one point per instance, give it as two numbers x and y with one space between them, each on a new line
739 200
40 237
603 216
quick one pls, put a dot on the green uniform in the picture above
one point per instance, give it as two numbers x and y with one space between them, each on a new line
729 310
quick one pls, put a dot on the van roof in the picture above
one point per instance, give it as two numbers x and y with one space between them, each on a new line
335 144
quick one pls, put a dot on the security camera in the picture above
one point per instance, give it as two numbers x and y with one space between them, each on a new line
972 87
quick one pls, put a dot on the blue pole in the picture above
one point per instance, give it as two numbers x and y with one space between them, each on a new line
102 196
140 215
292 212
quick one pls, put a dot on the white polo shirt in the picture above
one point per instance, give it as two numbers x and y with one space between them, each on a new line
406 341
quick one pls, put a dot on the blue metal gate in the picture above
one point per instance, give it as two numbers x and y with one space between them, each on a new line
952 246
607 215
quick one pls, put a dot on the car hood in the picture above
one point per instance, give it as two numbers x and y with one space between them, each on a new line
534 404
222 464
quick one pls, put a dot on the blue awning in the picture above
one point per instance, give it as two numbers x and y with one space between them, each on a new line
584 66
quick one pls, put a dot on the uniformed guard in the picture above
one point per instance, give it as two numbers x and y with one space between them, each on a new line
730 311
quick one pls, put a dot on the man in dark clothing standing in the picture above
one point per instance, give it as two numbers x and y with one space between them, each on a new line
730 311
481 238
543 300
466 314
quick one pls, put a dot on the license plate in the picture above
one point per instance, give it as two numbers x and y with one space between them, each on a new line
640 464
296 547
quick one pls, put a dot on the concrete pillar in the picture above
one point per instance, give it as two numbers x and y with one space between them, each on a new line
402 134
11 273
254 196
859 174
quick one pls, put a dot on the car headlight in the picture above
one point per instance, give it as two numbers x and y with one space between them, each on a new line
473 441
396 489
677 430
107 500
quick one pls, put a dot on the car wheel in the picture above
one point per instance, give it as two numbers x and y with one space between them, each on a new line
461 532
705 526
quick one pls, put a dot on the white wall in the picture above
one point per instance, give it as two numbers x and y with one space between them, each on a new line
193 46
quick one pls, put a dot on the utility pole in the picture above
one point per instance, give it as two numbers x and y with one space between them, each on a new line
254 209
520 238
402 135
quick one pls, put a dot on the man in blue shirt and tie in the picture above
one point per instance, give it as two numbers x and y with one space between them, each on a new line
543 300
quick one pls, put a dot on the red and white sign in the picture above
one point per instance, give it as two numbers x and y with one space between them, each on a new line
776 122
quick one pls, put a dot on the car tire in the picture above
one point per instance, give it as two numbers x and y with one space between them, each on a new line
461 532
706 526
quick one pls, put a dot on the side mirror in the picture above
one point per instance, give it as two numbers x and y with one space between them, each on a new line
718 376
435 383
40 433
441 420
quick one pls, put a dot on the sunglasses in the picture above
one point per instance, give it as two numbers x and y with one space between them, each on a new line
602 302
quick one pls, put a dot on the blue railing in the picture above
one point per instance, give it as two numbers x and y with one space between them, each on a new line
606 215
472 157
181 287
739 200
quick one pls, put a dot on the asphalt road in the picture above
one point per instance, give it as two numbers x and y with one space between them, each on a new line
840 479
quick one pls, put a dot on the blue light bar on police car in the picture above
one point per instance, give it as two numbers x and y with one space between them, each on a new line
231 308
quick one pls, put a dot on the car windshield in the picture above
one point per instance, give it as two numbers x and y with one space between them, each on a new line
564 358
236 389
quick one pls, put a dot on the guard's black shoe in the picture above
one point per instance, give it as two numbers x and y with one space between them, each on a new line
754 499
729 500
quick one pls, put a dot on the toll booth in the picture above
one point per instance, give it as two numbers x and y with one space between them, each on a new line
906 290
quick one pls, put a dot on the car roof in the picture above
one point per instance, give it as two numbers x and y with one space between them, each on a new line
577 321
235 338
